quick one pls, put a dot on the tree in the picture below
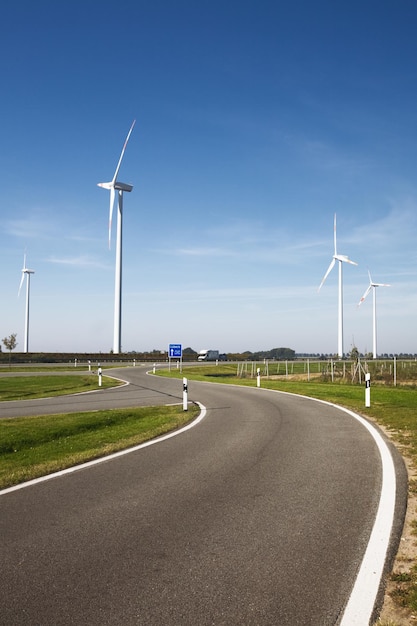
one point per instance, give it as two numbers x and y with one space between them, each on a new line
189 352
354 354
10 343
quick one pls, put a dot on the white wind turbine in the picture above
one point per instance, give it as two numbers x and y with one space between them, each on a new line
341 258
372 286
114 185
27 272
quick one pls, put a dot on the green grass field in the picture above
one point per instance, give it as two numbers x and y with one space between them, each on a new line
35 386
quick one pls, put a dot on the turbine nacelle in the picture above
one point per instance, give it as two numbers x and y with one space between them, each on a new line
25 270
114 185
118 186
371 286
123 187
344 259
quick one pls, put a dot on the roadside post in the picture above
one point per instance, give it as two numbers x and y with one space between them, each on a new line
367 390
154 368
258 377
89 366
99 376
184 394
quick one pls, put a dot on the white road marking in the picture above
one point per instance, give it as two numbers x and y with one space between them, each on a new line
361 603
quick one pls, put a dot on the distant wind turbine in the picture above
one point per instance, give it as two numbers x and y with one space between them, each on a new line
27 272
341 258
114 185
372 286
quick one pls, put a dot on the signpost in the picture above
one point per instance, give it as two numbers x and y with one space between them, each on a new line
174 352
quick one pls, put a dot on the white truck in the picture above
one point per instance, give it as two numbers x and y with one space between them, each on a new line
208 355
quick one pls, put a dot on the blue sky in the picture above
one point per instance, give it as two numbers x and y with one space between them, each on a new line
256 122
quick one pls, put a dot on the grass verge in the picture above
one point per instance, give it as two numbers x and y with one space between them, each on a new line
30 387
34 446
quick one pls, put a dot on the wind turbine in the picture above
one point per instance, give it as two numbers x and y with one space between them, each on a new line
114 185
27 272
341 258
372 286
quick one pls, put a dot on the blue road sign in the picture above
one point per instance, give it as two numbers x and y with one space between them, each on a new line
175 350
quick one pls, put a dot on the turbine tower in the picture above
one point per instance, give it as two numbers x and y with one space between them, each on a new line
114 185
341 258
27 272
372 286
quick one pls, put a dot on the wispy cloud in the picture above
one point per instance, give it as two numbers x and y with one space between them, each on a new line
79 261
391 230
29 228
232 294
326 155
204 252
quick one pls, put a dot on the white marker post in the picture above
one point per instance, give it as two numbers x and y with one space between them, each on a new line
99 376
184 394
258 377
154 368
367 390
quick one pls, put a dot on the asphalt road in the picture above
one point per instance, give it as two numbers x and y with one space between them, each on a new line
259 515
142 391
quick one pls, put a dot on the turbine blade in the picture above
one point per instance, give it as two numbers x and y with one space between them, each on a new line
329 269
334 235
347 260
112 197
122 153
21 283
364 295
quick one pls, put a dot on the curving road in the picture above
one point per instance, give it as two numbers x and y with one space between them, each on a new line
259 515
